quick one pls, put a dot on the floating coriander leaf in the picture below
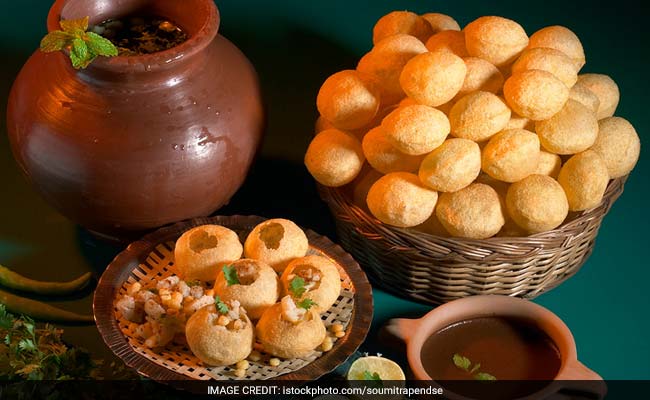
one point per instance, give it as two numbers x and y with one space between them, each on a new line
230 273
221 306
306 303
484 376
475 368
297 286
462 362
367 376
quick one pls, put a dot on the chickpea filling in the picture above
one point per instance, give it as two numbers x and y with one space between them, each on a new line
272 234
201 240
247 272
233 320
312 276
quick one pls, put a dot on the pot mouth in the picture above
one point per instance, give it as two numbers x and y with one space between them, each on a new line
199 18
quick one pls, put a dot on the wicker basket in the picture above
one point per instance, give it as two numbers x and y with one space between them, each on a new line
434 270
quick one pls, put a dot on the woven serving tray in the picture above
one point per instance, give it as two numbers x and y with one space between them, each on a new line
150 259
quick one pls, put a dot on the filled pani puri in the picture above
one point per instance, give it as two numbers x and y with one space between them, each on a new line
618 145
220 334
416 129
440 22
537 203
400 199
201 251
452 166
433 78
495 39
478 116
313 277
276 242
550 60
404 22
511 155
289 329
384 157
450 40
473 212
584 178
334 157
348 99
251 282
535 94
562 39
385 63
481 75
605 89
572 130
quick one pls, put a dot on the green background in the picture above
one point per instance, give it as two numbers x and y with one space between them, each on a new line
295 45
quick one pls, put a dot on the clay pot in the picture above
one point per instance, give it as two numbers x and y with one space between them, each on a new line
133 143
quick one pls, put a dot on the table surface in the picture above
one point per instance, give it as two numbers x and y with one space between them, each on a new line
295 45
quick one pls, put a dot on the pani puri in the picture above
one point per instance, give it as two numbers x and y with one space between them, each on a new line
511 155
386 61
432 226
481 75
562 39
384 157
473 212
404 22
400 199
348 99
334 157
618 145
549 164
453 41
537 203
572 130
478 116
440 22
433 78
322 281
495 39
550 60
415 129
276 242
361 185
519 122
216 343
257 287
287 331
452 166
586 97
605 89
584 178
535 94
201 251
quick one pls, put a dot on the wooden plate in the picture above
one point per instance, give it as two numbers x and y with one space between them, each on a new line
136 260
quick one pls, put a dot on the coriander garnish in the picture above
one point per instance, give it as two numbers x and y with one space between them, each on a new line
230 273
221 306
306 303
297 286
84 46
465 364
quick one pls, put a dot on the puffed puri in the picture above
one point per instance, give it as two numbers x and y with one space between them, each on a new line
605 89
618 145
535 94
384 157
400 199
478 116
550 60
495 39
537 203
334 158
328 288
570 131
452 166
276 242
511 155
416 129
562 39
397 22
433 78
474 212
584 178
348 99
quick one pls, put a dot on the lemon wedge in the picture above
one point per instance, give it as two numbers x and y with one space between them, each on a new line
383 368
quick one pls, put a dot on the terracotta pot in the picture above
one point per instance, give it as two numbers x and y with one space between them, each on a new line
133 143
573 375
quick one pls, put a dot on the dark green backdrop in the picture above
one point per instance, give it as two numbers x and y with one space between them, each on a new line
295 45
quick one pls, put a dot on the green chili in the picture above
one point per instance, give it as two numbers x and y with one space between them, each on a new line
13 280
40 310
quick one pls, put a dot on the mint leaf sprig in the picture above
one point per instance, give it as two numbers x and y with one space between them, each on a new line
84 46
465 364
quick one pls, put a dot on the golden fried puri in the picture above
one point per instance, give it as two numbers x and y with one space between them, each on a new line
584 96
433 78
348 99
361 185
322 281
495 39
441 22
452 166
200 252
453 41
384 157
605 89
400 199
562 39
511 155
334 157
550 60
537 203
584 178
549 164
415 129
404 22
535 94
618 145
572 130
478 116
481 75
276 242
473 212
